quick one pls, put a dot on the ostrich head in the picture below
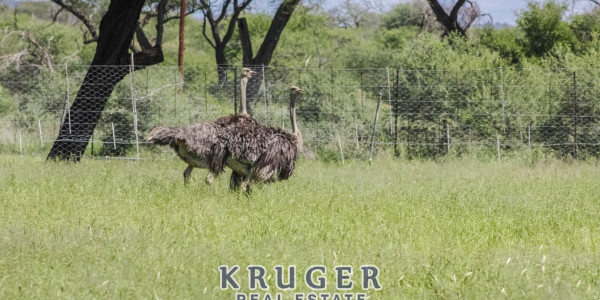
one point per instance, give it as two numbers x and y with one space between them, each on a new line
246 73
295 93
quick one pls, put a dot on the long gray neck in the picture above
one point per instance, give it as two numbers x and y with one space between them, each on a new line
243 85
293 113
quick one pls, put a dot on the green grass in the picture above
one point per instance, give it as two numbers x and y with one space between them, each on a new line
115 229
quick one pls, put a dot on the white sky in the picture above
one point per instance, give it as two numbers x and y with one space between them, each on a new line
502 11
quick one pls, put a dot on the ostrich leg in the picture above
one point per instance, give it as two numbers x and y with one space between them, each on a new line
209 177
235 181
246 183
187 174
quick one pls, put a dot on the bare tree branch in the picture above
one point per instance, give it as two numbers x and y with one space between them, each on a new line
460 18
204 33
56 15
161 10
79 15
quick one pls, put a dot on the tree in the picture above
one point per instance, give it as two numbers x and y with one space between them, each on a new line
404 14
351 13
543 28
460 18
267 48
217 42
586 26
109 66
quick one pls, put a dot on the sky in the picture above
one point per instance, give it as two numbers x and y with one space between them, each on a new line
502 11
506 11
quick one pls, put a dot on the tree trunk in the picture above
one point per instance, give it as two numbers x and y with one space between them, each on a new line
267 48
109 66
450 22
222 64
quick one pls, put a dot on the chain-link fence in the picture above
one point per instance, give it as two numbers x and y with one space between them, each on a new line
343 113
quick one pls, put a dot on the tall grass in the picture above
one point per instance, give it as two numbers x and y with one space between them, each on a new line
115 229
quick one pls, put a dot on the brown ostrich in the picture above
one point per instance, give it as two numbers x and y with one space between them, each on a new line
200 145
258 153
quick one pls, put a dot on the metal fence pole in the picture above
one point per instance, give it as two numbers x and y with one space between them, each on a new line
389 89
134 108
448 136
68 98
235 104
395 107
375 126
498 146
575 117
356 132
112 125
529 137
340 145
502 99
41 137
20 143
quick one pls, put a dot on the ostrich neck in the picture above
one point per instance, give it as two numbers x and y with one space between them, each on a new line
293 114
243 85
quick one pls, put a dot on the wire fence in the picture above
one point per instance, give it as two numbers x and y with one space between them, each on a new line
351 113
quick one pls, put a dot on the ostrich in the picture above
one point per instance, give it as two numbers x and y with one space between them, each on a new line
200 145
261 154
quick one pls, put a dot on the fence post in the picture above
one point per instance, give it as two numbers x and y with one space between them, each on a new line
92 144
20 143
375 126
470 142
362 97
396 112
68 98
235 104
134 107
340 145
575 115
356 132
389 88
448 136
502 98
498 146
112 125
175 86
41 137
332 90
529 137
205 95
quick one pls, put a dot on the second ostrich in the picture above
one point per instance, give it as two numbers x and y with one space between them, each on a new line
201 145
258 153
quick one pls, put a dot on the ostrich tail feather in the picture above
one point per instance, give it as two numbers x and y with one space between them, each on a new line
163 135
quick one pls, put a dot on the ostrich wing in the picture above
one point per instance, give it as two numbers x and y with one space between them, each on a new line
279 157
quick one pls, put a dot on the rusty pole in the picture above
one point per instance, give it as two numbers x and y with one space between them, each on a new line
181 39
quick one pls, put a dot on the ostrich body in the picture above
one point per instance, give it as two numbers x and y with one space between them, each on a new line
262 154
201 145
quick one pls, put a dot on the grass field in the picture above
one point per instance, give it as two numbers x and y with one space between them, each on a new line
115 229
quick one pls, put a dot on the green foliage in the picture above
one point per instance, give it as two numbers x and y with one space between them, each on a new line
397 38
503 41
544 28
402 15
573 93
586 26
